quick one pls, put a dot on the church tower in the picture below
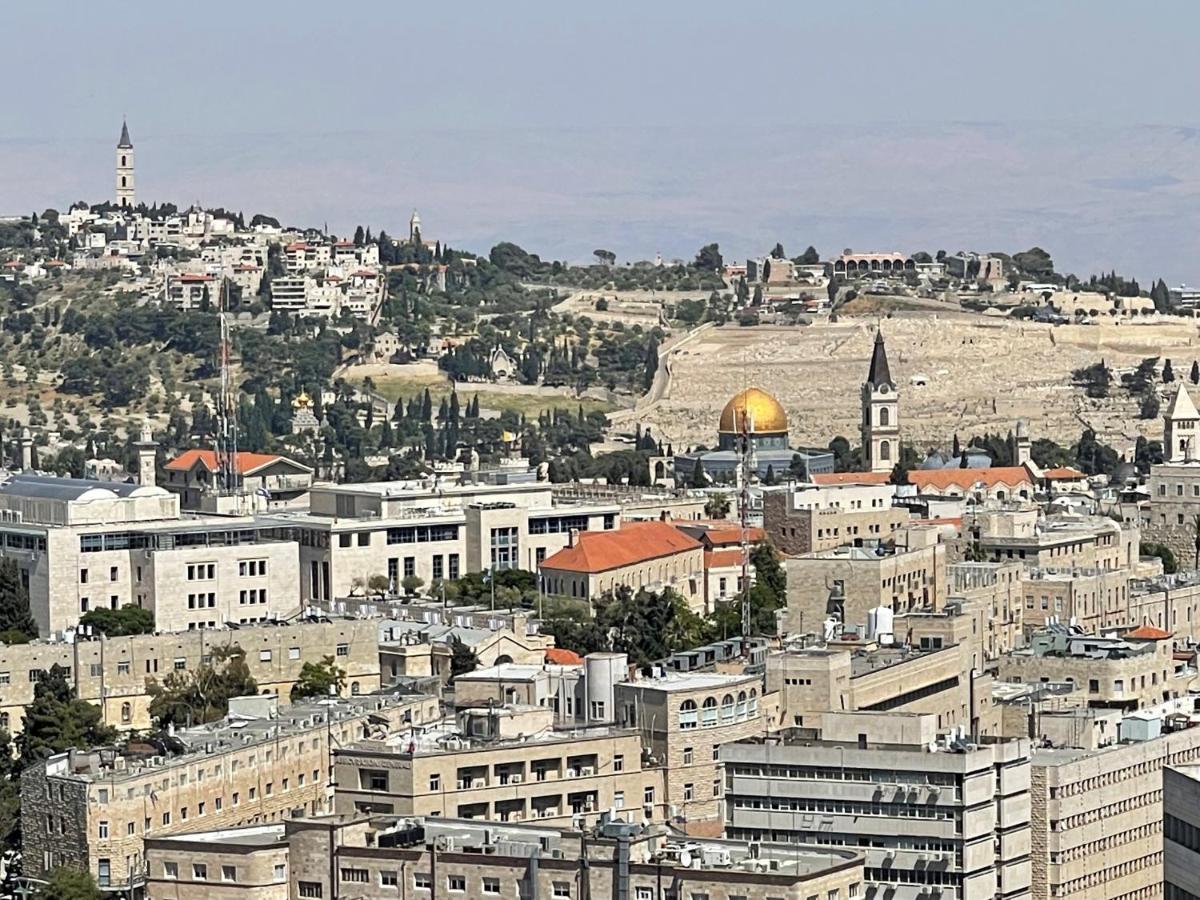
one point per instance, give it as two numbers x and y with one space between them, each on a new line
880 413
414 228
125 195
1181 426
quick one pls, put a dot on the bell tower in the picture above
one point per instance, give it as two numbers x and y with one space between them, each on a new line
880 413
125 194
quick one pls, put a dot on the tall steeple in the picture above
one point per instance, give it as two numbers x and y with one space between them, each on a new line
126 198
1181 426
880 413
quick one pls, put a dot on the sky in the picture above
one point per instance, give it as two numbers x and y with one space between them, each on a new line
639 127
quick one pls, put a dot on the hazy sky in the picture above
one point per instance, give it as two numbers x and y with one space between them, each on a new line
634 126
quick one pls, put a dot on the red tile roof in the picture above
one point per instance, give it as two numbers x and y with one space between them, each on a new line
720 533
599 551
193 277
966 479
722 559
246 462
1147 633
561 656
852 478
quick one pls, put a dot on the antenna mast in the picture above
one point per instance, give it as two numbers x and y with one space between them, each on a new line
227 439
745 463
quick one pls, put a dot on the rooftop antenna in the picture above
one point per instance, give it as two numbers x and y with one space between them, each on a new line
745 463
227 430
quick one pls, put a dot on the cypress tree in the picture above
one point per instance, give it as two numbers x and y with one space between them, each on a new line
14 601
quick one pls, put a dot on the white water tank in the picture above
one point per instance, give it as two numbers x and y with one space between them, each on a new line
880 625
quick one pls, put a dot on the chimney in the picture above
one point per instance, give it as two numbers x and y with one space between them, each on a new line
26 445
147 452
573 537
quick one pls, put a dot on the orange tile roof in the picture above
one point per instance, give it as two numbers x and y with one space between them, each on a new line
852 478
1147 633
561 656
599 551
191 276
967 478
720 533
246 462
1063 473
721 559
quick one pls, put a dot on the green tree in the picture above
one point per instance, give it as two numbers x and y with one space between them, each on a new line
193 697
378 584
1163 552
1168 374
319 679
68 883
717 506
410 584
15 617
462 658
777 251
10 794
58 720
709 258
698 479
129 619
809 257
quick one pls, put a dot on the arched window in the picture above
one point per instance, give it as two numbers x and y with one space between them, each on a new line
741 705
122 181
126 713
727 709
709 713
4 720
885 450
753 709
355 689
687 714
122 160
883 415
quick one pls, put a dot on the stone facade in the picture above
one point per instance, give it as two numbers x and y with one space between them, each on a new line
798 522
238 864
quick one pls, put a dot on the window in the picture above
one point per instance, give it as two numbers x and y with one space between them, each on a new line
229 873
687 756
166 817
619 763
452 564
83 575
648 795
123 668
171 870
457 883
112 573
373 779
280 872
435 782
293 653
562 889
310 888
388 879
644 893
200 871
355 876
264 655
343 650
598 710
619 799
687 714
422 881
491 885
689 791
103 831
104 872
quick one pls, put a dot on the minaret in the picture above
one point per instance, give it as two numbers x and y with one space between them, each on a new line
1181 423
1024 450
880 413
125 195
147 451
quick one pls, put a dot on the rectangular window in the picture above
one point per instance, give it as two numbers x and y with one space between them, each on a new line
410 566
562 889
124 667
422 881
452 566
229 873
343 650
456 883
170 870
438 567
103 831
200 871
264 655
388 879
280 872
310 889
491 885
373 779
355 876
689 791
293 653
435 782
83 575
619 763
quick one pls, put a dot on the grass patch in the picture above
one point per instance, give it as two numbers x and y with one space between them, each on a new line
402 387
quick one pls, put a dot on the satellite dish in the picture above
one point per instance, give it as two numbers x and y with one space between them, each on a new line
685 859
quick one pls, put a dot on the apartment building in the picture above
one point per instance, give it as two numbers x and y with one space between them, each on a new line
809 517
433 529
938 681
1098 817
112 673
933 817
909 575
85 545
651 555
1059 541
1169 602
378 857
1136 672
1181 832
991 595
1091 597
93 809
265 479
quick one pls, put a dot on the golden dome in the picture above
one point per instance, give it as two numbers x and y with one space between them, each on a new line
766 416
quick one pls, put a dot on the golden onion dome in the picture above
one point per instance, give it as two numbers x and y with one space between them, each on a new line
761 412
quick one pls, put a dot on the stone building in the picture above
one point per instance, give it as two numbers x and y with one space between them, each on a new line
1090 597
906 576
1181 832
830 511
112 672
434 529
652 555
93 809
126 195
930 815
84 545
1058 541
992 483
1097 817
267 480
370 857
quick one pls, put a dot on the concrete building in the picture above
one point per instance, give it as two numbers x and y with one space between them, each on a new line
84 545
933 817
433 530
907 575
386 856
1090 597
831 511
1097 822
1181 832
112 673
1052 541
92 810
651 555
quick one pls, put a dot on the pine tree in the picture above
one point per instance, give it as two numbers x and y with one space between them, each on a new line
15 617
